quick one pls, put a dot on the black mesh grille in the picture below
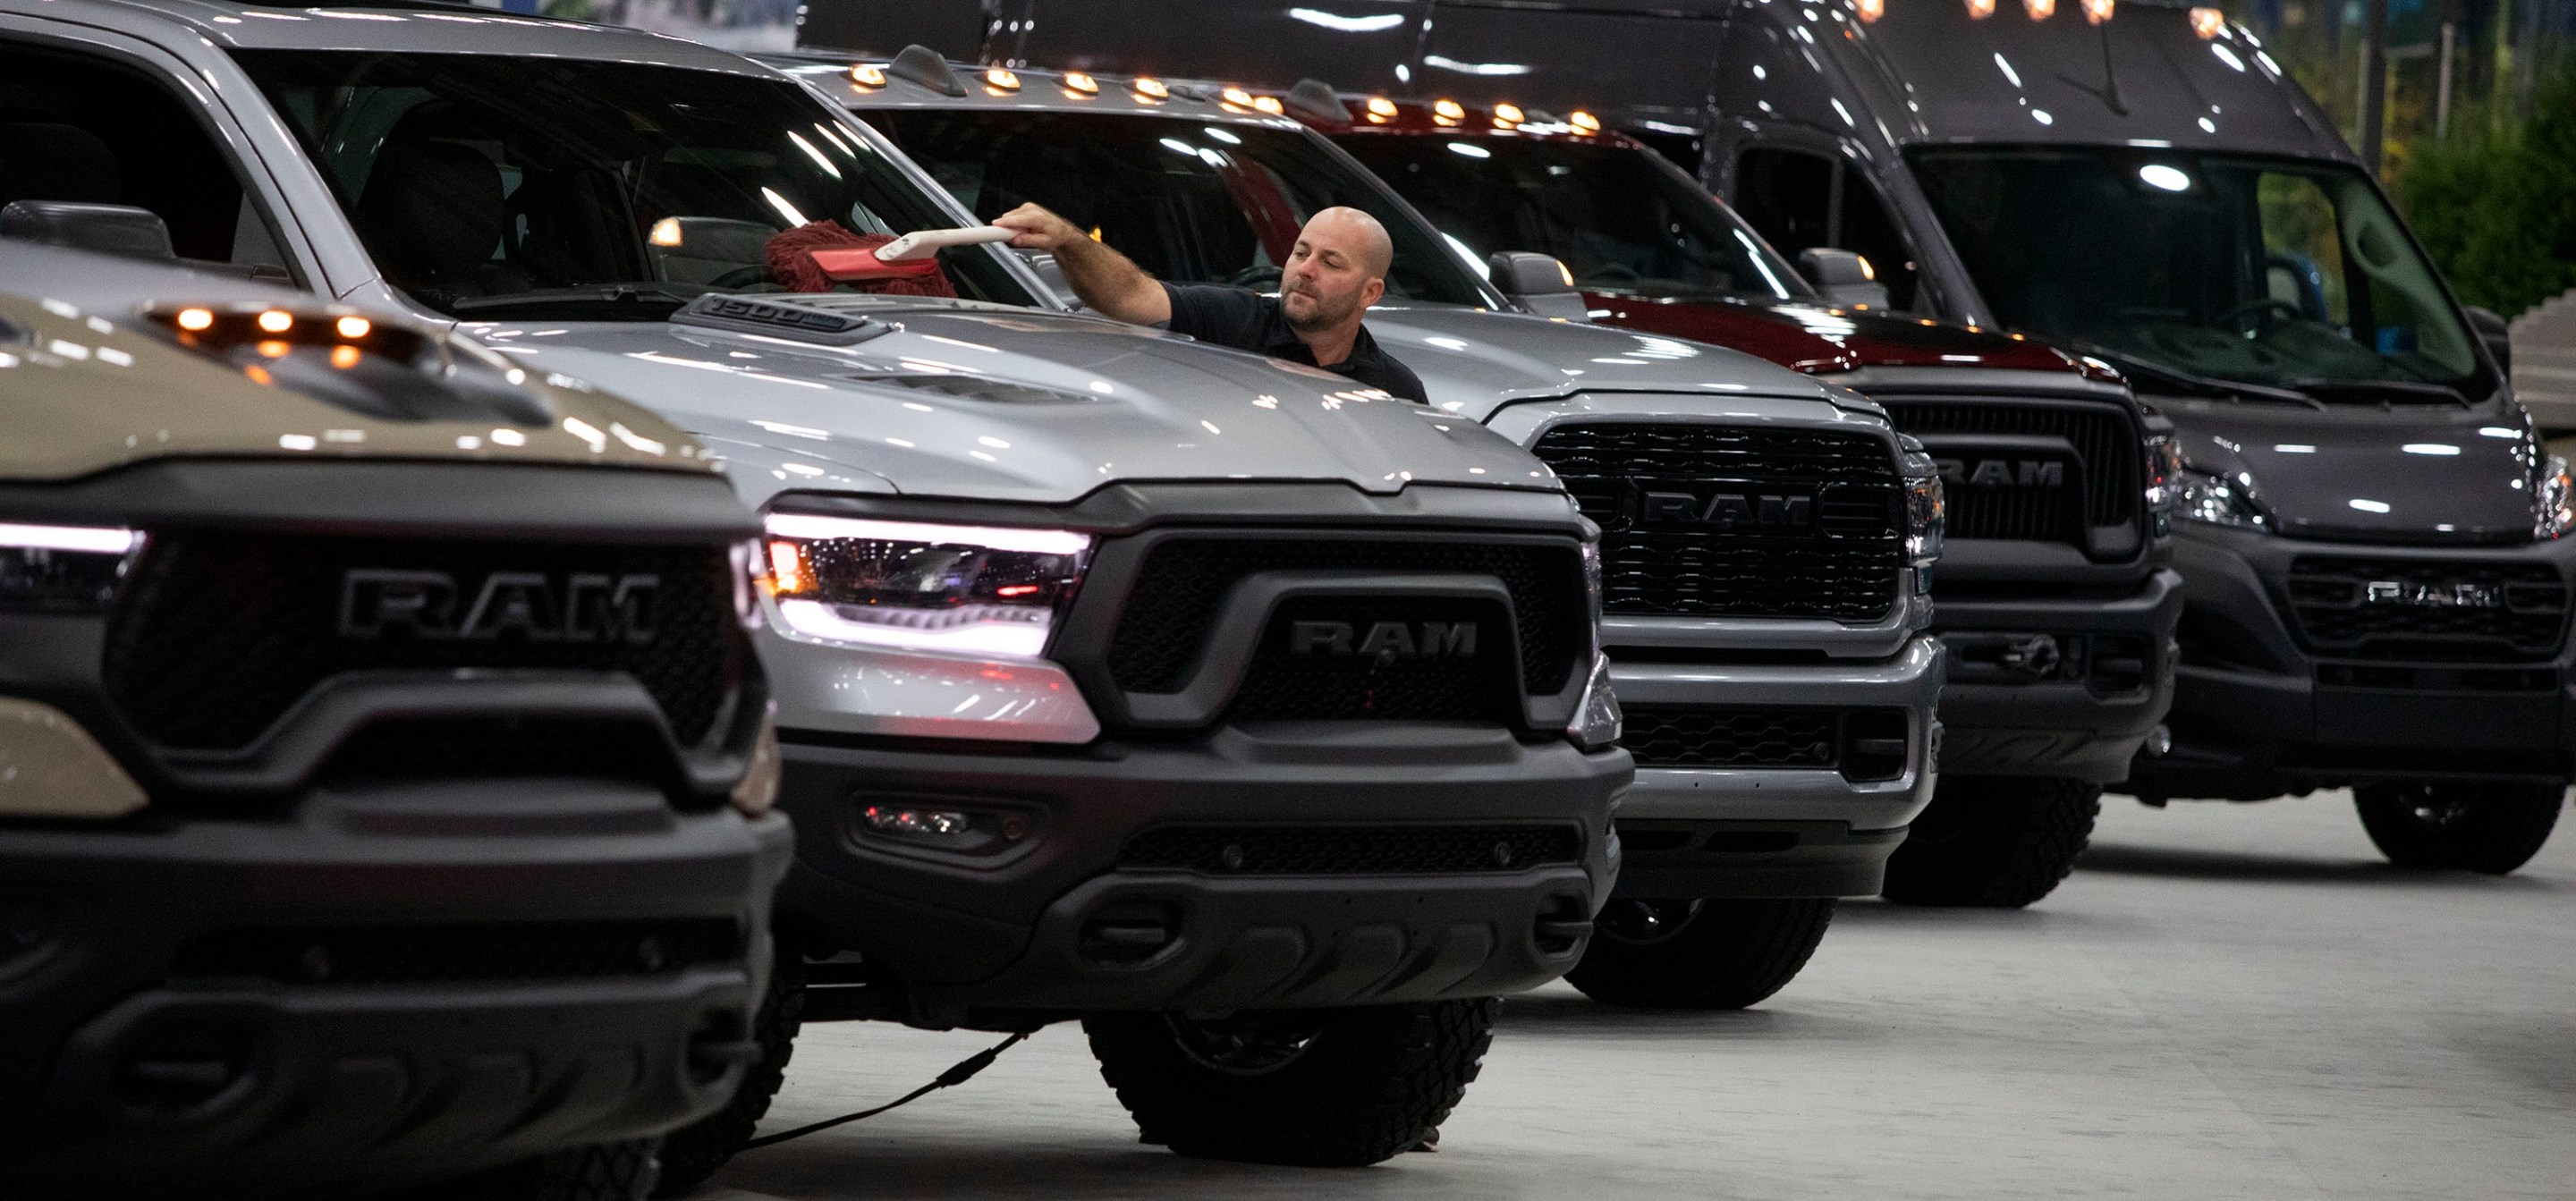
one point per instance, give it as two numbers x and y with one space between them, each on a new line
1352 850
1864 744
1845 566
1183 581
2333 598
219 633
2109 453
488 951
1457 667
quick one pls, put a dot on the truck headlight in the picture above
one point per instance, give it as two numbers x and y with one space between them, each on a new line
1597 721
62 568
2164 474
2553 502
977 590
1926 519
2218 499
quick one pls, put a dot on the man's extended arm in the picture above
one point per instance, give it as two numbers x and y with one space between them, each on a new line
1105 279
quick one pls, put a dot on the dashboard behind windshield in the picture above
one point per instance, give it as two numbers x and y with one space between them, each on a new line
1615 215
2260 271
1189 201
488 184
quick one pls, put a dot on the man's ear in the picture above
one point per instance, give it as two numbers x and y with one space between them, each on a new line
1372 290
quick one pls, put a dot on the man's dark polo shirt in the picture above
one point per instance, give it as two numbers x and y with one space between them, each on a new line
1233 317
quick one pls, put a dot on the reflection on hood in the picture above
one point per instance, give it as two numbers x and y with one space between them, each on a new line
2414 474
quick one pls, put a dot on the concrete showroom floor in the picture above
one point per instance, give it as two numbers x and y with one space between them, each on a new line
2224 1001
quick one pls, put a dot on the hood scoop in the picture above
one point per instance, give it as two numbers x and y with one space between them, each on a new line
971 387
781 318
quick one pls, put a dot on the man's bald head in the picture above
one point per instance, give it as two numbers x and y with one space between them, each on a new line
1336 272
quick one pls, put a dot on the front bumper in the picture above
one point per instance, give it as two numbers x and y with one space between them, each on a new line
449 1009
1050 906
1778 831
2257 715
2106 680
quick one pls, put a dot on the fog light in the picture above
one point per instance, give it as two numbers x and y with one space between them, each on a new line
940 823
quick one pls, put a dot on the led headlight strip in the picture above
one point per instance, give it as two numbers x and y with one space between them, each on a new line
925 586
62 568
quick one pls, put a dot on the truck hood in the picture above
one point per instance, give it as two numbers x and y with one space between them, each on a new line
1824 341
2411 474
90 385
1474 361
987 402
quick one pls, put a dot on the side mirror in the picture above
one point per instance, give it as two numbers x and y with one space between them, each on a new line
106 228
2496 332
1538 283
1843 277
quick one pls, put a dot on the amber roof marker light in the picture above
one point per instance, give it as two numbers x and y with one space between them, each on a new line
1081 85
2208 23
1150 88
868 75
1583 122
1002 79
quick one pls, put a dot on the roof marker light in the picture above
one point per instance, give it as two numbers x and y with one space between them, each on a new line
1380 106
1449 109
1508 114
2039 10
277 321
1002 79
666 232
194 320
1870 10
868 75
1081 84
1269 104
1979 10
1150 88
1583 122
2097 11
1236 97
353 328
2208 23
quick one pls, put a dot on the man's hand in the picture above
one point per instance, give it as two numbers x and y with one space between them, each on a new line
1105 279
1039 229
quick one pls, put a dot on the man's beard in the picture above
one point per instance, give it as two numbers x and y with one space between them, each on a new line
1321 316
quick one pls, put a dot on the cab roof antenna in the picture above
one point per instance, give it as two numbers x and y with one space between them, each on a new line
1316 100
922 65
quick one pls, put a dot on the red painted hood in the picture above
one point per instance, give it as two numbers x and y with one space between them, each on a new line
1822 341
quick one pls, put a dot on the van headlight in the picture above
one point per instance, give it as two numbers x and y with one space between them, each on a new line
2214 499
922 586
63 568
2553 502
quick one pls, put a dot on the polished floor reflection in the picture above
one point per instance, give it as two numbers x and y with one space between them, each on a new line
2226 1001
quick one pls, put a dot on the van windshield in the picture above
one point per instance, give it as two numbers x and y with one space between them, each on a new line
2270 272
1617 216
497 186
1190 201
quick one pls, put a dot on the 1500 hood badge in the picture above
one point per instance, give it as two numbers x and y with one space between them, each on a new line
432 606
2432 596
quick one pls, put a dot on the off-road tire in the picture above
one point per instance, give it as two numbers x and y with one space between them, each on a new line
693 1152
1999 842
621 1171
2490 828
1720 954
1371 1083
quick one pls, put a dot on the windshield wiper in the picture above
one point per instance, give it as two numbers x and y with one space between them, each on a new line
2184 381
2316 384
636 294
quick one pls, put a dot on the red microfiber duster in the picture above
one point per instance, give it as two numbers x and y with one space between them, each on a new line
818 256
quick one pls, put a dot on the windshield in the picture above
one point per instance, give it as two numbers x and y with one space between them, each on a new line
1617 216
2258 271
490 185
1189 201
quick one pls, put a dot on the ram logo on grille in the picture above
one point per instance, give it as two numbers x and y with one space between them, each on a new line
434 606
2461 595
2004 473
1728 510
1384 641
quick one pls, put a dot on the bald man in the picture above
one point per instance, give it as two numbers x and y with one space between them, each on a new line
1335 272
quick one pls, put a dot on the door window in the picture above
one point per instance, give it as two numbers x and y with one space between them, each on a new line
1798 201
78 127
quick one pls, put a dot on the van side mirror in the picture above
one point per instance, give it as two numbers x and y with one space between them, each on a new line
1843 277
2496 332
107 228
1538 283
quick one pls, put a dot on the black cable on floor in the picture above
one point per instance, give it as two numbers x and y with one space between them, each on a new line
961 1073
